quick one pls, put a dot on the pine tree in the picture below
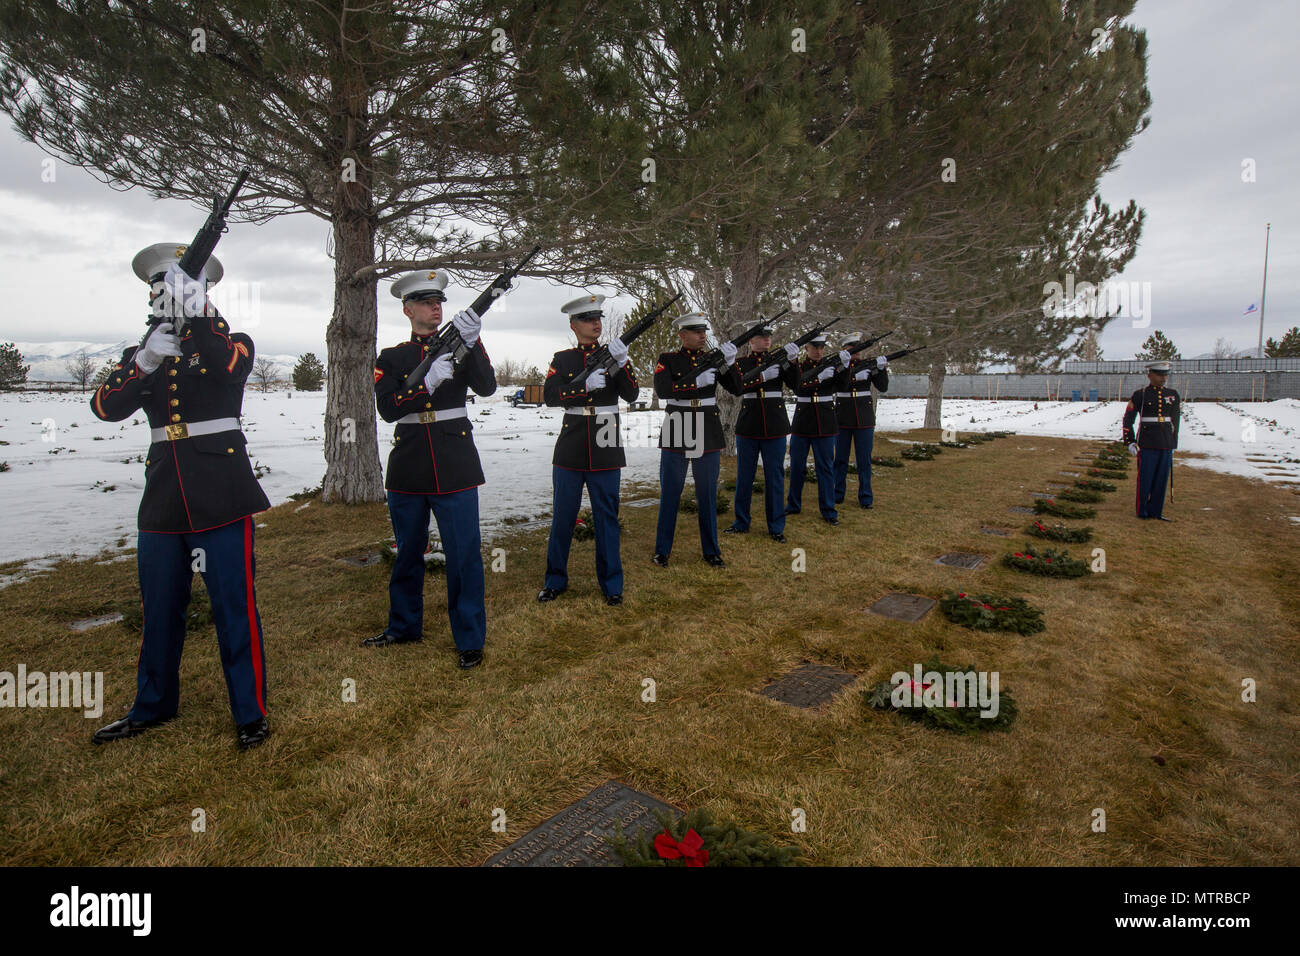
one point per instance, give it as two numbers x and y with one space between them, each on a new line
13 372
309 373
1289 347
659 338
102 375
1158 347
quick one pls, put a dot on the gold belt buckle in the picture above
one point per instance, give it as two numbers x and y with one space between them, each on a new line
695 403
427 418
588 411
177 431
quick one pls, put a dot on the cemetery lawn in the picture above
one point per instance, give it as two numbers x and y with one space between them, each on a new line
1130 702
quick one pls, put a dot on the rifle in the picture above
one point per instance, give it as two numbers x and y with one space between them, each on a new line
713 359
831 360
603 360
449 340
778 355
197 254
809 376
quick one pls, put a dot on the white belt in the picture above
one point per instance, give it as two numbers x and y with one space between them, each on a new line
180 430
853 394
815 398
589 410
691 402
770 393
436 415
1156 421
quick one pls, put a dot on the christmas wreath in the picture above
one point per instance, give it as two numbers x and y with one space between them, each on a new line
1048 562
197 616
1093 485
1112 462
975 438
584 528
991 612
1084 495
999 434
690 505
921 452
886 462
931 701
953 444
695 840
1062 510
434 558
1107 473
1059 532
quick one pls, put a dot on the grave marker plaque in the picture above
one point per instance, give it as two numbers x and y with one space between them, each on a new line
1020 510
87 623
576 835
809 685
1000 532
903 607
961 559
363 560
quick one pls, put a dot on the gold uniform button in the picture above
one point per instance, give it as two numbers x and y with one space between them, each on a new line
171 372
175 402
176 360
203 371
221 325
230 451
171 387
176 418
428 404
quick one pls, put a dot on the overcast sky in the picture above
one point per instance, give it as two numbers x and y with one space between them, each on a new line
1223 80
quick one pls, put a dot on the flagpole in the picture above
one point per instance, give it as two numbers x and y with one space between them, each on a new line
1268 227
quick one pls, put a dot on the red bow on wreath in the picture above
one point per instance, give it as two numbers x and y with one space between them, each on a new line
691 848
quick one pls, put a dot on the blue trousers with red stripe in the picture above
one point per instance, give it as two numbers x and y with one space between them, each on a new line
859 441
823 449
224 556
1153 479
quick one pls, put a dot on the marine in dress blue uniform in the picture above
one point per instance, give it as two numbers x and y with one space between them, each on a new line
1154 439
761 431
814 427
855 409
433 467
588 451
199 494
691 436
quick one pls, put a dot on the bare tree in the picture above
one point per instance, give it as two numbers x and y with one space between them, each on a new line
81 367
1223 349
266 373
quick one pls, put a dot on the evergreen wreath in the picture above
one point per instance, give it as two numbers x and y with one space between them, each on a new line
991 612
1062 510
953 444
695 840
964 720
886 462
434 557
1107 473
691 506
584 528
1059 532
920 452
1084 495
1093 485
1048 562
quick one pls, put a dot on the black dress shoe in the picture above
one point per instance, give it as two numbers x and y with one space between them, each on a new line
613 600
831 520
252 735
384 639
839 501
778 536
715 560
124 728
735 529
1163 518
661 560
470 659
867 507
792 511
547 594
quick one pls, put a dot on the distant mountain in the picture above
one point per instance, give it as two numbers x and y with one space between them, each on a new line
49 359
1240 353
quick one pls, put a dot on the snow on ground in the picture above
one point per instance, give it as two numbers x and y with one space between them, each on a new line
74 482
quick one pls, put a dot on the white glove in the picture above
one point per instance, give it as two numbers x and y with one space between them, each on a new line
468 325
824 374
192 294
439 372
596 380
881 361
791 351
771 373
728 352
162 343
845 357
706 378
617 350
863 375
1133 448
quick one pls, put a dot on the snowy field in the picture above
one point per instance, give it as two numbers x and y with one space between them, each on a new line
74 482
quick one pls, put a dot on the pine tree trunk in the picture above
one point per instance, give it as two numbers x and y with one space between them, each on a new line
352 471
934 395
740 312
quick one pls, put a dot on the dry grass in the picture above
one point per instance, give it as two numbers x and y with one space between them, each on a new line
1143 660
